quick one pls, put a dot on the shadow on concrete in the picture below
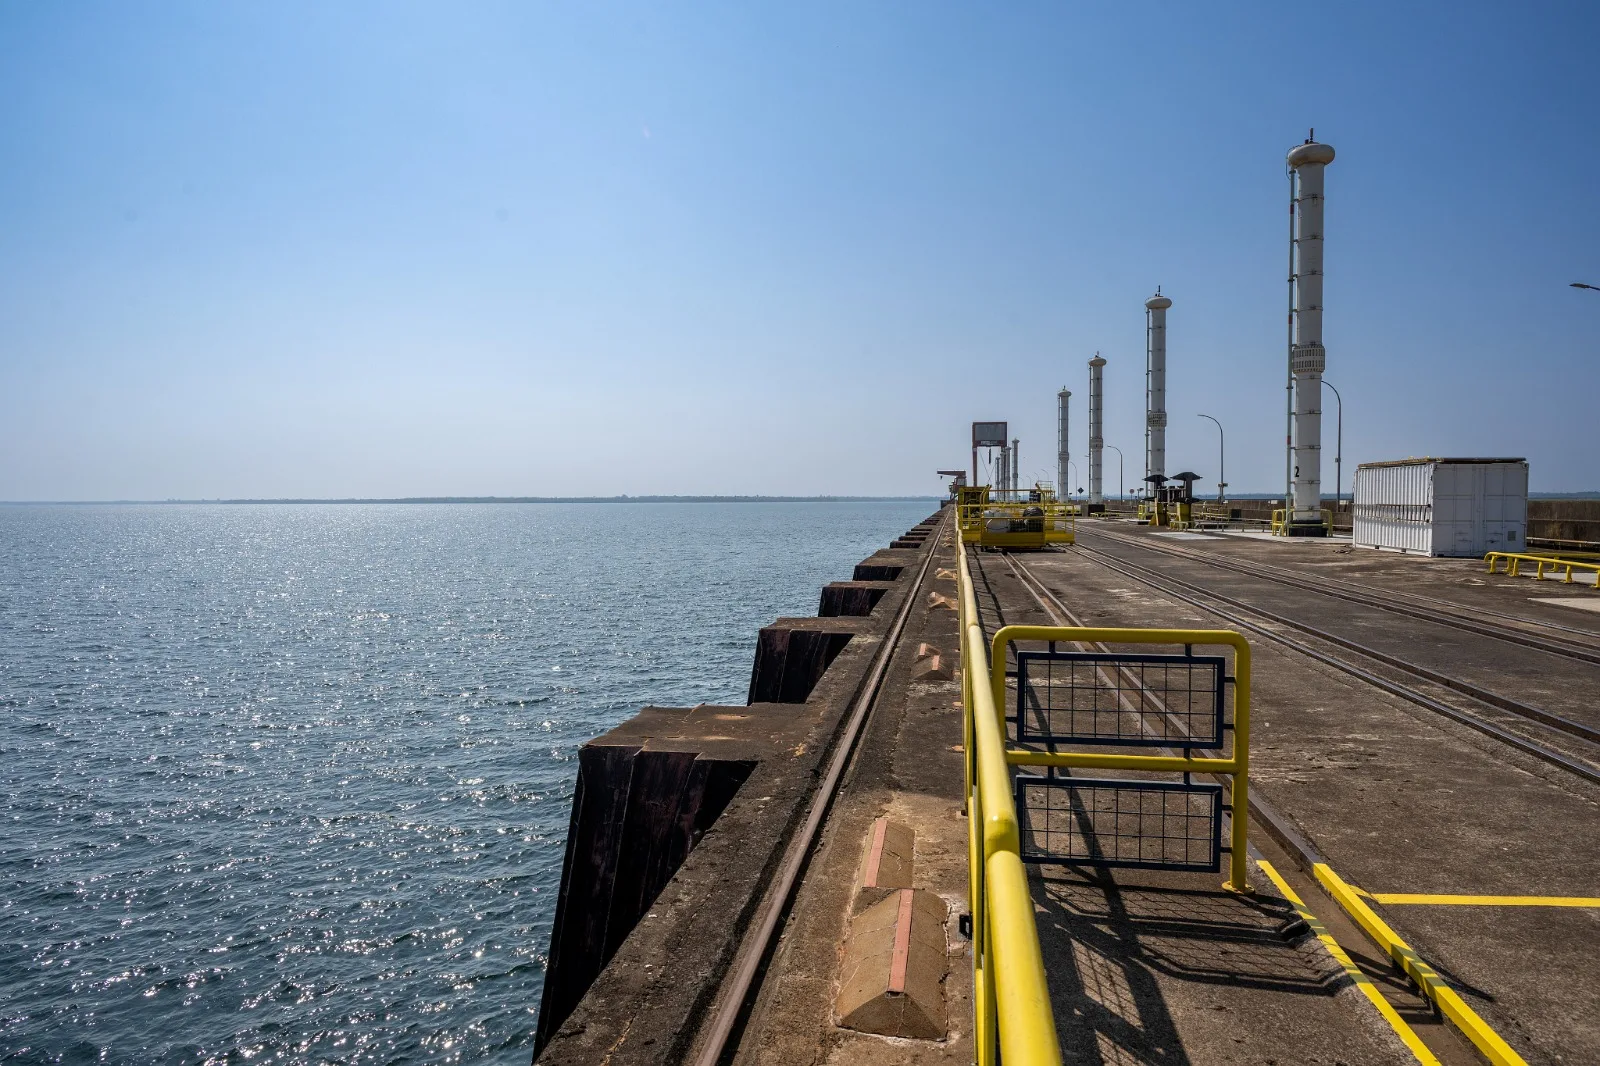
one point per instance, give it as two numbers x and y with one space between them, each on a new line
1126 961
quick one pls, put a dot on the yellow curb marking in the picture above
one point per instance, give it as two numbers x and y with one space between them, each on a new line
1410 898
1406 1034
1488 1042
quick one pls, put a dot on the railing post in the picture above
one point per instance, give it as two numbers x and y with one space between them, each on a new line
1239 843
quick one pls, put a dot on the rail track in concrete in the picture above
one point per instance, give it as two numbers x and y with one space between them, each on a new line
1570 642
1579 753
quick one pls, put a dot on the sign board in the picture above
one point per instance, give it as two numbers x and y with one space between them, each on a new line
989 435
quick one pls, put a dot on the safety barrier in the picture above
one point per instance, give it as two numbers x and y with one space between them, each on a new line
1169 729
1013 1021
1514 561
1012 1017
1280 521
1000 519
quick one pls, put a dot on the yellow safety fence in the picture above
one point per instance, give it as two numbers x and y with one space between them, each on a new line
1013 1019
1235 766
1280 521
1012 1016
1514 561
996 519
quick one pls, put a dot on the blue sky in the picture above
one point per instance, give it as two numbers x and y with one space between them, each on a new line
386 249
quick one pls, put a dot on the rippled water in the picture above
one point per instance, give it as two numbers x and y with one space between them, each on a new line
290 783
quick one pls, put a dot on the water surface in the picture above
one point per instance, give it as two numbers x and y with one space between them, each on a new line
289 783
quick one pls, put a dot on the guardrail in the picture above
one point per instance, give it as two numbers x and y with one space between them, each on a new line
1017 523
1234 766
1514 561
1012 1016
1280 521
1013 1021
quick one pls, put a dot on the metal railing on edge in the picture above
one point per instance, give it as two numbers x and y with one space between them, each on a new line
1514 561
1280 521
1013 1020
1017 523
1234 766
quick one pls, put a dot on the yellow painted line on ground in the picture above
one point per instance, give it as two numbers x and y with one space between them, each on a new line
1450 1004
1406 1034
1411 898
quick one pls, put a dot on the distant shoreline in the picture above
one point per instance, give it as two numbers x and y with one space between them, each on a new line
489 499
1590 495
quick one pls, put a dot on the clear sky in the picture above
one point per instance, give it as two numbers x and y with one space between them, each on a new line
381 249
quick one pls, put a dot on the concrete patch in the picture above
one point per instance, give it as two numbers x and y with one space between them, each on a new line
1582 603
892 982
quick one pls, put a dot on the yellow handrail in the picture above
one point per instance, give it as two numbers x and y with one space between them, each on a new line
1280 521
1002 520
1514 561
1013 1021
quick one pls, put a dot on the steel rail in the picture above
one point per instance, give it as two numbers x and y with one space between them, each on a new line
1411 695
1384 600
754 950
1403 602
1482 695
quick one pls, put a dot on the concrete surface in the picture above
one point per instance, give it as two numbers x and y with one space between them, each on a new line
1400 799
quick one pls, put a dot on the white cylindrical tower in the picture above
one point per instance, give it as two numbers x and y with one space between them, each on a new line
1063 451
1307 357
1155 386
1002 480
1015 465
1097 442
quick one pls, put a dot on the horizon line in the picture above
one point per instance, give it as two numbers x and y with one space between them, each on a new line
474 499
624 498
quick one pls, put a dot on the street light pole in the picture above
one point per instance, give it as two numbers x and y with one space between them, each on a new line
1122 489
1222 462
1338 453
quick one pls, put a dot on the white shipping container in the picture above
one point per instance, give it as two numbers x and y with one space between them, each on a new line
1457 507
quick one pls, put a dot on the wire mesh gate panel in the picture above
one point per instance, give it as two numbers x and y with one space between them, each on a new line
1135 700
1159 825
1124 700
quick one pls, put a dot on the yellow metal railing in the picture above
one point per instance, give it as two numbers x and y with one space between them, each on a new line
1013 1021
1235 766
997 522
1514 561
1280 521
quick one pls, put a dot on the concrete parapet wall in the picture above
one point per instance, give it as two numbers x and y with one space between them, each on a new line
680 819
1575 521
